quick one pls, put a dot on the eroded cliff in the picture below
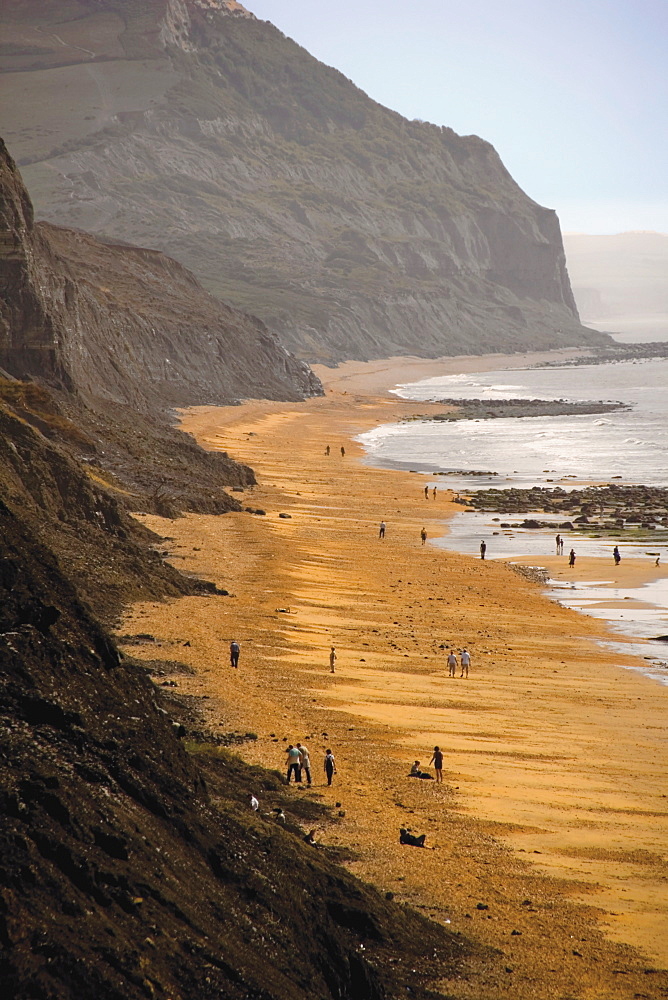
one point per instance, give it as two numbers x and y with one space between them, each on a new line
120 336
123 323
193 128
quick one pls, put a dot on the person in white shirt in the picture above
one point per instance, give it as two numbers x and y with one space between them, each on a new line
304 762
465 660
452 663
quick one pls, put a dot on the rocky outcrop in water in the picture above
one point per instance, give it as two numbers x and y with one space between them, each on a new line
193 128
612 508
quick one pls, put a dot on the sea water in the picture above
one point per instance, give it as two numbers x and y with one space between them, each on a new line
630 444
623 446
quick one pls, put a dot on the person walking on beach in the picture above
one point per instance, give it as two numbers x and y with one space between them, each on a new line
332 659
452 663
483 549
343 452
433 493
557 542
437 760
235 649
330 766
571 558
304 762
294 763
381 529
561 547
426 492
616 555
327 451
465 660
423 535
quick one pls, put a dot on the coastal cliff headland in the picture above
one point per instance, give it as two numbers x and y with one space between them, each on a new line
351 231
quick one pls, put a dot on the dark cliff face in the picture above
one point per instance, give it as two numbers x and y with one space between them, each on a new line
125 324
122 876
120 336
351 231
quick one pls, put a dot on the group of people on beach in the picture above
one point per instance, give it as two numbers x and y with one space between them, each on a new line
464 660
299 763
559 544
342 450
436 760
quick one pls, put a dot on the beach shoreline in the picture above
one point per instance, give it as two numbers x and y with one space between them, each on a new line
554 755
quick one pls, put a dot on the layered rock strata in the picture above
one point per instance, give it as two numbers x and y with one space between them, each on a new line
193 128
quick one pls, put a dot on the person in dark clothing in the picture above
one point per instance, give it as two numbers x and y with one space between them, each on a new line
235 649
327 450
571 558
294 763
343 452
437 760
483 549
330 766
616 555
407 838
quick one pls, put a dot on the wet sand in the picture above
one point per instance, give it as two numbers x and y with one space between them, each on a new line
553 811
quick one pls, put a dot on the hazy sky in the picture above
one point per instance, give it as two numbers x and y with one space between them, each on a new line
572 93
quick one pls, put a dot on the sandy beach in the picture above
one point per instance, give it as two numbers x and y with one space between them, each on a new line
549 831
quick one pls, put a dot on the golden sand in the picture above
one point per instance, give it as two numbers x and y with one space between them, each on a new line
554 805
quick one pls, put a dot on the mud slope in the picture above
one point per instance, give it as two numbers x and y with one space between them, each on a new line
122 876
121 336
191 127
